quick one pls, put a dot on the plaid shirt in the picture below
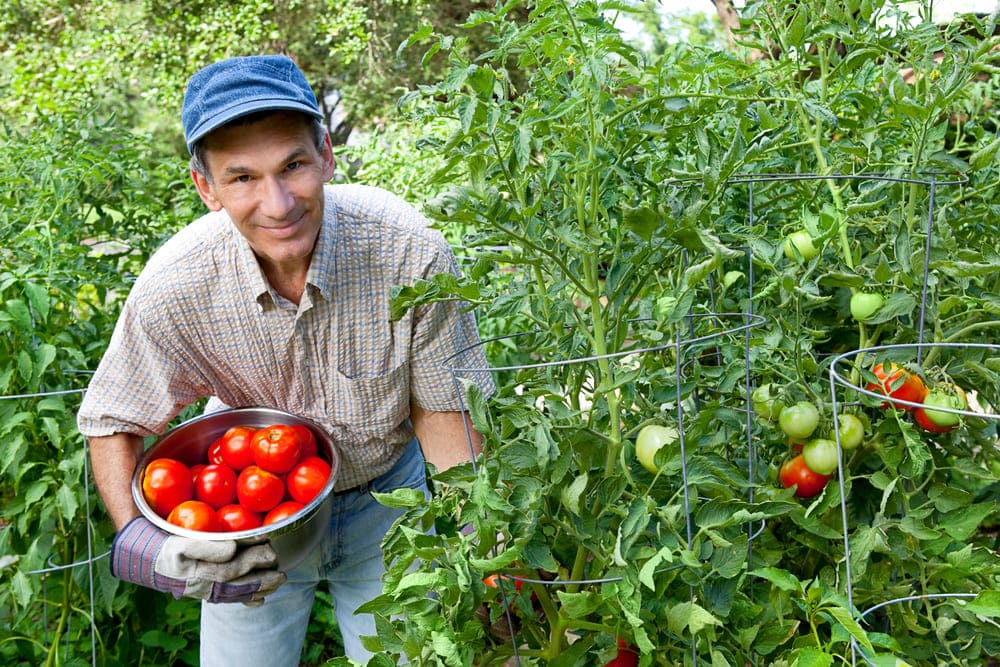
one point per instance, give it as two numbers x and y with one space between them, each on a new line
201 321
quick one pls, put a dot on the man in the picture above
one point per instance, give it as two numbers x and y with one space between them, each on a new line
279 297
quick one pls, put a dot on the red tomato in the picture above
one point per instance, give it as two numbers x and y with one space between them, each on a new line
216 485
195 469
215 452
259 490
282 511
307 479
795 472
166 483
276 448
628 655
236 451
194 515
234 518
308 440
898 383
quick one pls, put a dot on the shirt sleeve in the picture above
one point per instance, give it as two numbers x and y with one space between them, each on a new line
446 349
122 399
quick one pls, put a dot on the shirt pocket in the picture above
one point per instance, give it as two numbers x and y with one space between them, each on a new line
372 405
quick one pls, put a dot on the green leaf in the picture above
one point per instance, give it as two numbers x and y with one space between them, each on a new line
843 616
38 297
811 657
579 605
783 579
986 603
690 616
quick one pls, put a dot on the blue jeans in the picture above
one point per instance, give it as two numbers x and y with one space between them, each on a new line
349 559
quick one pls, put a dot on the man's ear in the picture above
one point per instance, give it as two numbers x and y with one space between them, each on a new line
204 187
329 161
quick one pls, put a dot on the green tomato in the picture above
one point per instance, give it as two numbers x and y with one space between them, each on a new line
799 421
820 455
800 244
765 402
652 439
865 304
942 399
852 432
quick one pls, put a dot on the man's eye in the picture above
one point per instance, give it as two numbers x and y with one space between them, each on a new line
242 178
292 166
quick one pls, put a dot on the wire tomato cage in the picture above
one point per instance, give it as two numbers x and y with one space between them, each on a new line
870 184
89 559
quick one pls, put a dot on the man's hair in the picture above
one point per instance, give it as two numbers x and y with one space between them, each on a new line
198 160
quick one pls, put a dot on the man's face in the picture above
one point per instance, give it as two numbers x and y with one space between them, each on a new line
269 177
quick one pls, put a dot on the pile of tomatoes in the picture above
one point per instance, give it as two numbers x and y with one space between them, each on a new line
251 477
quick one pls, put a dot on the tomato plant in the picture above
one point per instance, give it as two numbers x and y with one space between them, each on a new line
799 420
276 448
808 483
282 511
898 383
259 490
235 517
305 481
194 515
166 483
215 485
235 448
651 439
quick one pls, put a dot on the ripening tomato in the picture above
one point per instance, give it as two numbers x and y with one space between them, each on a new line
236 451
820 454
216 485
496 580
938 421
282 511
898 383
194 515
307 479
234 518
795 472
166 483
798 420
276 448
308 440
259 490
628 655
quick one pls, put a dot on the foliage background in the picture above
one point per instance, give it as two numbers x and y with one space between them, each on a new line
531 132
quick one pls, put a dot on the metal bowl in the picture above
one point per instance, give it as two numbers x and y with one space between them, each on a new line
292 538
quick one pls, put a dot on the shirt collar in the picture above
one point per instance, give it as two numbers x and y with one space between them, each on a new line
320 274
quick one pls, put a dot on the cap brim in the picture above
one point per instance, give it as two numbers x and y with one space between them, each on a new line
239 110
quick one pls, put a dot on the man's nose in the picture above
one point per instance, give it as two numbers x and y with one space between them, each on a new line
276 199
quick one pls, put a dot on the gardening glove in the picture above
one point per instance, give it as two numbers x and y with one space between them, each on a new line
216 571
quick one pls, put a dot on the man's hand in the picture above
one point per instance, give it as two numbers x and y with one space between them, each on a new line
216 571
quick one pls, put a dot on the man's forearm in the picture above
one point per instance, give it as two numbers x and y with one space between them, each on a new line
443 437
113 459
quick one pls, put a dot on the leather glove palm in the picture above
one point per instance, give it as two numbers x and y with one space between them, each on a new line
216 571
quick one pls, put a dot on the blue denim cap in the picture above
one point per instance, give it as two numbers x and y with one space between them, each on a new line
235 87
